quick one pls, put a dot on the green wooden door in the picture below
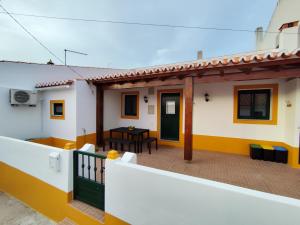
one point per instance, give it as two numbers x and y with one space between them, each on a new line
170 109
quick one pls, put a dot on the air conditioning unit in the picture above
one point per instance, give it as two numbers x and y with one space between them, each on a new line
22 97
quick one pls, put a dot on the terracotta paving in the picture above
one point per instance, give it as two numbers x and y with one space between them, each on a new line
238 170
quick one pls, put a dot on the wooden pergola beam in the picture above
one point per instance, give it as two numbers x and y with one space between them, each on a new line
140 84
99 115
188 118
254 75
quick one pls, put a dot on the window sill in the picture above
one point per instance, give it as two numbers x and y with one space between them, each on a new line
57 117
130 117
249 121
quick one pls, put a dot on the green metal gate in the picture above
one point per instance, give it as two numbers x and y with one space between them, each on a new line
89 178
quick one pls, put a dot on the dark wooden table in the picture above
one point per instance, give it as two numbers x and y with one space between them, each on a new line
136 132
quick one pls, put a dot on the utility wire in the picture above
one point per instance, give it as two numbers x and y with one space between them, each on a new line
37 40
142 24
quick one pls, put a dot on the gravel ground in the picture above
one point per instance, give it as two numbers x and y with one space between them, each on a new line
14 212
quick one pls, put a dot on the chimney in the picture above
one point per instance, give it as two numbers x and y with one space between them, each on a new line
259 32
50 62
200 55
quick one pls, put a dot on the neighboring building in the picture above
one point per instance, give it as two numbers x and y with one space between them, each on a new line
283 31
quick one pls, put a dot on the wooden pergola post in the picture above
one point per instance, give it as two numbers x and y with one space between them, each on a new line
188 118
99 115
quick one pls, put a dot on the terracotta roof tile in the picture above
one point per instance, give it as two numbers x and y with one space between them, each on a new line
54 83
234 60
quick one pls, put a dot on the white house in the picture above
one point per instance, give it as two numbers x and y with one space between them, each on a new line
219 104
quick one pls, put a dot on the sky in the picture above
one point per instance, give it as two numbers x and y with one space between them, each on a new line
131 46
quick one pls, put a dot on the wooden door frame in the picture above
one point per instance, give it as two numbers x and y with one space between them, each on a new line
180 142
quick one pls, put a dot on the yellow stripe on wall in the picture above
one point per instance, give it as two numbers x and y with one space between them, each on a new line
84 139
45 198
39 195
112 220
200 142
240 146
53 141
231 145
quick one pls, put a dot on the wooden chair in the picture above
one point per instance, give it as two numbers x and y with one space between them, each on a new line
149 141
116 142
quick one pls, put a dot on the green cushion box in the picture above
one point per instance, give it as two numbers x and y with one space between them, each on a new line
256 151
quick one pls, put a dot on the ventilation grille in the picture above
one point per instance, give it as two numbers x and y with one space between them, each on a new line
21 97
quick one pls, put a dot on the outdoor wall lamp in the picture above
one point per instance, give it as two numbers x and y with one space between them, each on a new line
206 96
146 99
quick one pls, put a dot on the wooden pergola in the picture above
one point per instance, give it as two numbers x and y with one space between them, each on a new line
238 68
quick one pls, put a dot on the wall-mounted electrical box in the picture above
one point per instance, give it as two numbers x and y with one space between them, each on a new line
54 161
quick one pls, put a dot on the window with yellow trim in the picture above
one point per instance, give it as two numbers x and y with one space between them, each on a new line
130 105
256 104
57 109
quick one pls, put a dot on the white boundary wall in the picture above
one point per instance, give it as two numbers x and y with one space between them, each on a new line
33 159
144 196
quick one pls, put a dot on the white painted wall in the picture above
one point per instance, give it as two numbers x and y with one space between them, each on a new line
33 159
291 116
144 196
215 118
85 108
21 122
285 12
24 122
112 110
64 129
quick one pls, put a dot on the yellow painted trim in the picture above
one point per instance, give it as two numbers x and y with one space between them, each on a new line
51 110
112 220
53 141
274 102
39 195
113 154
86 139
46 199
234 146
137 93
70 146
43 141
179 143
81 218
240 146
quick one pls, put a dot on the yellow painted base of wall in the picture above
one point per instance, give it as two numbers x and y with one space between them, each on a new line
53 141
111 220
200 142
80 217
229 145
240 146
82 140
40 196
46 199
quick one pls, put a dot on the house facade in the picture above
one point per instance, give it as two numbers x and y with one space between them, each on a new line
222 105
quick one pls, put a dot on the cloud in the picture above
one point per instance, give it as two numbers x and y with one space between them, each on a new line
125 46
